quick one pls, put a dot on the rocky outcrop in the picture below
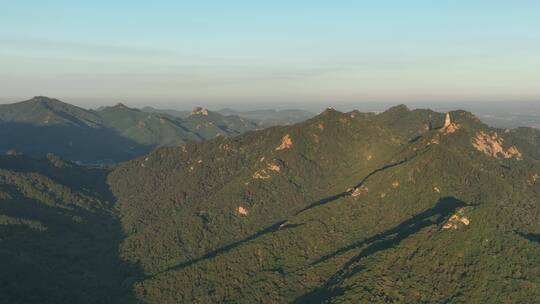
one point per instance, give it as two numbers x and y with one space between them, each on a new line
456 220
449 126
447 121
274 167
286 143
261 174
200 111
452 128
265 173
492 145
358 191
242 211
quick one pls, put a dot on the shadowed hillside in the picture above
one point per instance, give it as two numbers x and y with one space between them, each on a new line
58 237
111 134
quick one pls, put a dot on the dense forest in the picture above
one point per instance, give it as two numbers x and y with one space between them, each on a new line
405 206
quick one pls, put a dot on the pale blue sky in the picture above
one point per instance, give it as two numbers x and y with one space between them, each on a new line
287 52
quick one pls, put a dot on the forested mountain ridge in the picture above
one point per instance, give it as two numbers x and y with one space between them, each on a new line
296 213
405 206
42 110
43 125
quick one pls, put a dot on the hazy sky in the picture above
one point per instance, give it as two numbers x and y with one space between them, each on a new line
287 52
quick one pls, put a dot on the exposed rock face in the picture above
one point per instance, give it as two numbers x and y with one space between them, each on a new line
449 126
265 173
286 143
200 111
358 191
261 174
455 220
242 211
447 121
492 145
452 128
274 167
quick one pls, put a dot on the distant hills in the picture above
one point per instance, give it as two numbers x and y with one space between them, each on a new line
263 118
404 206
43 125
267 118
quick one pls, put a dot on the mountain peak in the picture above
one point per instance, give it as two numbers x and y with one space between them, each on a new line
447 121
50 104
330 110
120 105
41 98
44 100
200 111
398 109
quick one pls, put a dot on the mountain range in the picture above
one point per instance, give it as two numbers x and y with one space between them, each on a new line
263 118
405 206
43 125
